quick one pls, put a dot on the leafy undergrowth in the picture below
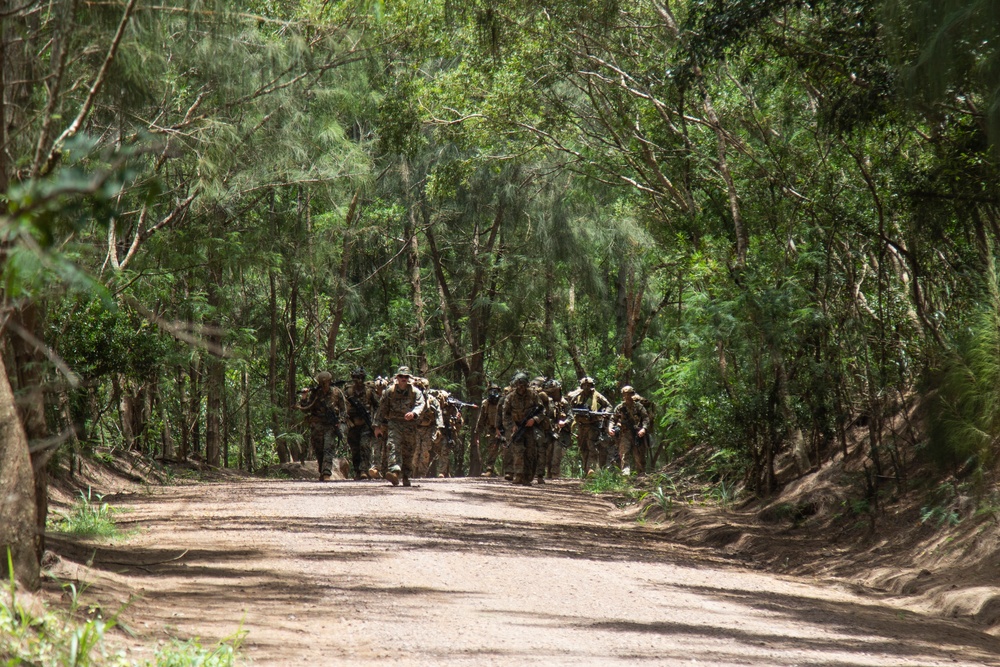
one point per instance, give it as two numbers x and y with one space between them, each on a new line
34 633
56 630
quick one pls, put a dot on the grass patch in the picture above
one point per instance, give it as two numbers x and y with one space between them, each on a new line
609 480
35 635
89 517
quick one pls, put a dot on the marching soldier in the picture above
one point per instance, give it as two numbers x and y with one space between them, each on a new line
590 410
362 404
562 420
522 411
629 426
486 430
325 408
398 410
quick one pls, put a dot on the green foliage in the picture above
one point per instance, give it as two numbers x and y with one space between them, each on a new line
963 396
608 480
52 638
89 517
192 654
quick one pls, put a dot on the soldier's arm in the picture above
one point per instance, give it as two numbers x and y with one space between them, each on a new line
419 403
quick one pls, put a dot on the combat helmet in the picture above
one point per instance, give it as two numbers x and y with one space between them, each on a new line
519 378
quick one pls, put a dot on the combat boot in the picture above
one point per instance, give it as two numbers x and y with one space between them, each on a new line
509 477
373 473
325 478
393 478
541 479
406 481
517 479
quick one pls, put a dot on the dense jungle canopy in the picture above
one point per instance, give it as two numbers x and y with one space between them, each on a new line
775 218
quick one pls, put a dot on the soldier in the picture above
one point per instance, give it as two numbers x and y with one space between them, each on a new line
398 409
325 409
429 427
522 411
362 404
380 457
543 432
629 426
451 424
486 430
562 420
587 407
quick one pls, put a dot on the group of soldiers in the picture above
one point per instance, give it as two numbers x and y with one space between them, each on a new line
401 429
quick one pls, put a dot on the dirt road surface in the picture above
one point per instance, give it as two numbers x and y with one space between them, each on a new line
477 572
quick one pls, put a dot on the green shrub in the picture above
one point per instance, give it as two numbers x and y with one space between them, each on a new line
89 517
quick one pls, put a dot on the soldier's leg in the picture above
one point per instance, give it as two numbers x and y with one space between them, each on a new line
584 441
517 460
354 445
640 452
492 452
365 446
555 460
407 443
601 445
316 442
544 455
532 448
457 466
329 450
509 466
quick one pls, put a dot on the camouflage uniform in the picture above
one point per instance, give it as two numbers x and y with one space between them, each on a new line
428 434
454 422
397 402
486 429
543 431
380 456
589 429
562 420
516 407
629 419
451 422
359 436
325 410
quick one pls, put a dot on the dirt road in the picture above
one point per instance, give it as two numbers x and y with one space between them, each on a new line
479 572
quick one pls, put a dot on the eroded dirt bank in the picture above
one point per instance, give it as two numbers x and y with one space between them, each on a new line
475 572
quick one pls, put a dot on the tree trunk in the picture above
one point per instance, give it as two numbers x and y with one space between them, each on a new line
29 367
183 420
194 406
249 457
413 270
272 355
18 530
345 259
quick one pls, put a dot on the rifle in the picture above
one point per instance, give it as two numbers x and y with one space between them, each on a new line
454 401
522 425
584 412
360 407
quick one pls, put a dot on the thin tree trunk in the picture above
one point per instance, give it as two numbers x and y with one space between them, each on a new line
29 365
194 406
183 420
413 270
248 450
18 529
345 259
